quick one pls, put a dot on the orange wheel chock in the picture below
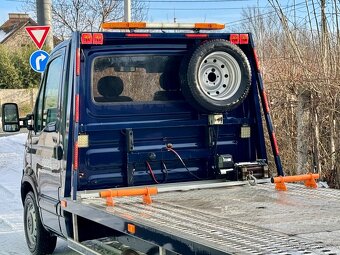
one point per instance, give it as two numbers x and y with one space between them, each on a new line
309 180
145 192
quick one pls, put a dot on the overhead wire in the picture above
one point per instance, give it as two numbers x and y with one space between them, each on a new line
301 6
203 9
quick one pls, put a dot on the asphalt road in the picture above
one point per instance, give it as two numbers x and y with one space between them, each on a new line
12 237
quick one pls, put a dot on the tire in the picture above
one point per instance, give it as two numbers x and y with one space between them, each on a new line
216 77
38 239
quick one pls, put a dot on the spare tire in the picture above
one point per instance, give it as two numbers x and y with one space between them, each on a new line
216 77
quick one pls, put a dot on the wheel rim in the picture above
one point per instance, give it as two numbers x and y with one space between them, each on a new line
31 224
219 76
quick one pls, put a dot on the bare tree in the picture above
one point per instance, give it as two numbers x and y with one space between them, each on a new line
81 15
300 58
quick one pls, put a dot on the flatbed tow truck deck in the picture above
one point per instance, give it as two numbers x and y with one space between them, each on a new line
226 220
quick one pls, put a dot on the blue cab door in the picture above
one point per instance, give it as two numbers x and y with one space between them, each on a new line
46 139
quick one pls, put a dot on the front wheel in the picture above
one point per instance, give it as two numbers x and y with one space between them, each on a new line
38 239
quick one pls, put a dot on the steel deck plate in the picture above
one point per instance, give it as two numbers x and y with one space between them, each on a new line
243 220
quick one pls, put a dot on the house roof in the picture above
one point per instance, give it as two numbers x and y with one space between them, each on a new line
13 24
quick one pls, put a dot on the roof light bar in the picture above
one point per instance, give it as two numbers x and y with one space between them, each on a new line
144 25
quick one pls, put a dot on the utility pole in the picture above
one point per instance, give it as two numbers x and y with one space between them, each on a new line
127 10
44 19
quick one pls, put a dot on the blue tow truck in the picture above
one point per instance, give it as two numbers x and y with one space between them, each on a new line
146 142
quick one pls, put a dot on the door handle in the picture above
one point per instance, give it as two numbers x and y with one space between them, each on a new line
55 139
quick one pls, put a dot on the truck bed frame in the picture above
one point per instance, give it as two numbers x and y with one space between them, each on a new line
240 219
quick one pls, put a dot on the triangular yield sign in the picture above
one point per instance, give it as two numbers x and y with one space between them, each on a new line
38 34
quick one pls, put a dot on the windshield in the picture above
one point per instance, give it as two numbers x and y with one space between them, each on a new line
141 78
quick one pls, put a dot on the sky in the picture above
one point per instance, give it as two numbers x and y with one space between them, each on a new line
222 11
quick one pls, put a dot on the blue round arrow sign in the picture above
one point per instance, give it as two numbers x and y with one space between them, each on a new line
38 60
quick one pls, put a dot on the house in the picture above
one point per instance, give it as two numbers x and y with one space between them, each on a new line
13 33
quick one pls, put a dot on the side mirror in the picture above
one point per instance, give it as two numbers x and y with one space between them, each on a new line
10 117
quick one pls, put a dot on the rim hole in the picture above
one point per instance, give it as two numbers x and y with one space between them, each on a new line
212 77
208 92
214 60
224 86
226 75
217 92
222 66
205 61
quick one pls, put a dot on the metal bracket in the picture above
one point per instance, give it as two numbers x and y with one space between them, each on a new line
129 148
215 119
129 139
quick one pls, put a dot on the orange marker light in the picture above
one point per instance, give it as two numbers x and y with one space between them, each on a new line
131 228
63 203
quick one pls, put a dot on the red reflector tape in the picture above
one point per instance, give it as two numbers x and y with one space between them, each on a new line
234 38
244 38
98 38
198 36
86 38
136 35
78 61
76 114
276 147
75 156
265 101
257 63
